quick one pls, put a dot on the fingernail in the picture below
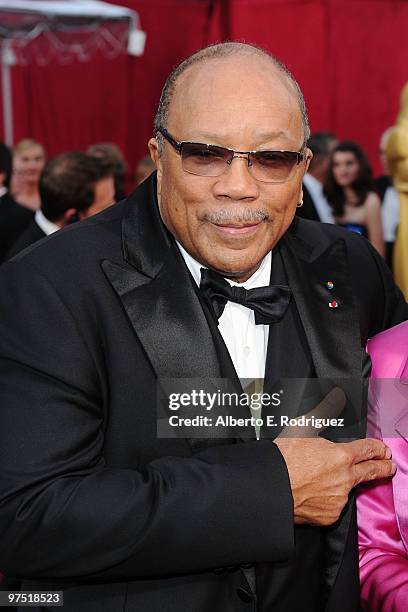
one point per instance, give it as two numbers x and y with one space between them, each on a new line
388 453
394 467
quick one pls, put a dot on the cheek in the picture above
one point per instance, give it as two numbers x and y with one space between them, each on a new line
284 201
176 205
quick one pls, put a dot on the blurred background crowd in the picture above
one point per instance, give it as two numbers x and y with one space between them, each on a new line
40 196
79 96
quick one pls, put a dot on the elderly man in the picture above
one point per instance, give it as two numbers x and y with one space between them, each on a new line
92 502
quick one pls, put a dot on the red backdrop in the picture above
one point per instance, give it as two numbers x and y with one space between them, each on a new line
349 56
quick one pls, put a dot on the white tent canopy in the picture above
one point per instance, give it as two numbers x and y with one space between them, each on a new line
64 8
69 29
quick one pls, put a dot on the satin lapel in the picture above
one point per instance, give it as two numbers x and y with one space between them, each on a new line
333 335
159 299
167 318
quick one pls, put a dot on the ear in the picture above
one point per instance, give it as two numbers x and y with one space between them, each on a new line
309 157
157 158
70 215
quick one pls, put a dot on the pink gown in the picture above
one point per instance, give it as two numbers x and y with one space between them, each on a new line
382 507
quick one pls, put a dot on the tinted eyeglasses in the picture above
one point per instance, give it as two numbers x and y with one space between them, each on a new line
210 160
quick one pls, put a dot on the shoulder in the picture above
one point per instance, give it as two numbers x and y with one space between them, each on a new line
30 234
318 233
372 203
354 251
388 351
80 242
10 207
68 262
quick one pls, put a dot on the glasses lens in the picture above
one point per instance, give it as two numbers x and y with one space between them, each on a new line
204 160
273 166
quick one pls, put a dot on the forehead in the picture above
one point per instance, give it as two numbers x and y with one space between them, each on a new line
343 156
34 151
239 100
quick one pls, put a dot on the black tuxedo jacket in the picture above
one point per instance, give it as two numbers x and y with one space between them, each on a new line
308 210
14 219
91 501
31 234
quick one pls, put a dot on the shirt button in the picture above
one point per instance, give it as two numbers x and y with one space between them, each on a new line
247 350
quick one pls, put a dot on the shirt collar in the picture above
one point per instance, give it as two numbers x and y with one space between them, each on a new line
3 191
47 226
260 278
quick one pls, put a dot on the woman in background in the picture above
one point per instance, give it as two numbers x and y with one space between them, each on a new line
28 162
382 506
349 191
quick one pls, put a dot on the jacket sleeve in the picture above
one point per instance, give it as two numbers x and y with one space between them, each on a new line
383 558
64 513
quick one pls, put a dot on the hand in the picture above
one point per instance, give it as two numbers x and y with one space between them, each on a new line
322 474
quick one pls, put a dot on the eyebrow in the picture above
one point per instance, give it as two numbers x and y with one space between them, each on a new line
213 138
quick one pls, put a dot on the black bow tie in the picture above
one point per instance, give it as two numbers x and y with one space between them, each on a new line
268 303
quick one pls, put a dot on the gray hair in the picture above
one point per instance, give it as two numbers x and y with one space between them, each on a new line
219 51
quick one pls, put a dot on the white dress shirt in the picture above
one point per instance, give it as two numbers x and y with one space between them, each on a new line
246 342
390 214
48 227
315 188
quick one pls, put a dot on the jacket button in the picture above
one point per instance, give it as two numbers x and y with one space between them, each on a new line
244 595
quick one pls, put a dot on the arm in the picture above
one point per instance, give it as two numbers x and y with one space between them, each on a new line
65 513
374 223
383 558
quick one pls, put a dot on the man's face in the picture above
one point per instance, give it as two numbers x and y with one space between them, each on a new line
104 197
230 222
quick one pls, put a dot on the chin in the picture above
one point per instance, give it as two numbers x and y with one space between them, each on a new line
236 269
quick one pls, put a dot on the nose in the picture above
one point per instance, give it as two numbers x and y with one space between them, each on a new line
236 182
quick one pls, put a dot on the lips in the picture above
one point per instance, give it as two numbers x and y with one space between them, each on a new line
232 229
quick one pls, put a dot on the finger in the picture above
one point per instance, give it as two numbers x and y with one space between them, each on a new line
373 470
364 450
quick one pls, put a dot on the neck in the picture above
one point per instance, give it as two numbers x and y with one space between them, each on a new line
240 277
350 195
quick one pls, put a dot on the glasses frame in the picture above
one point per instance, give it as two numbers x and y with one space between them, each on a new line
178 146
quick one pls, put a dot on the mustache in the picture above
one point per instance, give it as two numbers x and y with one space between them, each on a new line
227 215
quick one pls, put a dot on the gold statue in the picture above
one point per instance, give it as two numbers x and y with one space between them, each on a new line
397 156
